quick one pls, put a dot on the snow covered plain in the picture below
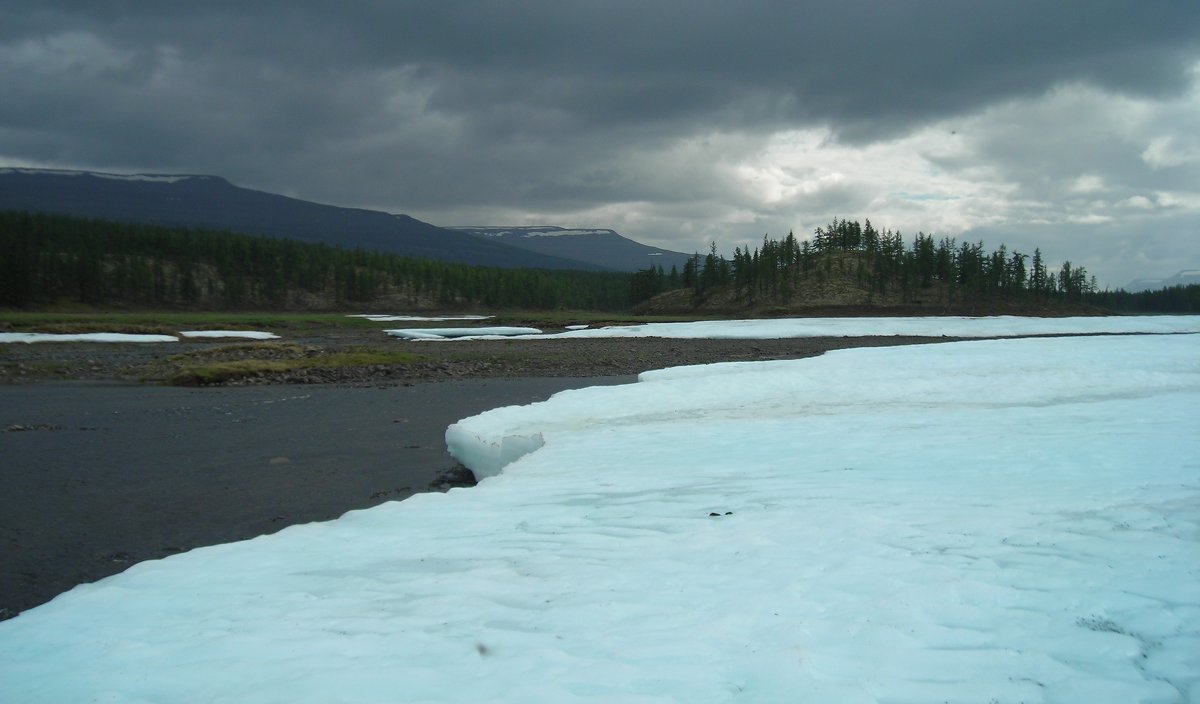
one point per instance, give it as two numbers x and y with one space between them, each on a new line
987 521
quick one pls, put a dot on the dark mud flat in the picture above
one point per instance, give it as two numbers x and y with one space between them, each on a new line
98 476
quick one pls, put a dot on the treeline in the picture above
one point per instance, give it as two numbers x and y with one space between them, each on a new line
881 265
1174 299
52 258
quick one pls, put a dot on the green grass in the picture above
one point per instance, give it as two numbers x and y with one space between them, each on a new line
242 349
217 372
171 321
35 369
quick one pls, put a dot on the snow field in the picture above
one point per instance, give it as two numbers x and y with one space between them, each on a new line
946 326
240 334
451 333
384 318
937 326
31 337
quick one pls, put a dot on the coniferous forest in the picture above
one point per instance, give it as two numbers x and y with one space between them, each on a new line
852 264
52 260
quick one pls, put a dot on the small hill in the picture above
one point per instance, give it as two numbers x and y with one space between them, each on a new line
838 283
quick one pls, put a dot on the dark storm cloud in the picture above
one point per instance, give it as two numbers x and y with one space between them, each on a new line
874 67
870 68
563 107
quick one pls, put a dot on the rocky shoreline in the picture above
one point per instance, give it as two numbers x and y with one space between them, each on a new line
108 465
430 361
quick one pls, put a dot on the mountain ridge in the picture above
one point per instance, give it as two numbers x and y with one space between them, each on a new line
599 246
213 202
1183 277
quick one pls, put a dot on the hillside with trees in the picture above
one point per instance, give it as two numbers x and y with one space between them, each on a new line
848 266
844 269
1170 299
61 260
213 203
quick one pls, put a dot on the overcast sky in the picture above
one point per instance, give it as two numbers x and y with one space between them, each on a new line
1069 125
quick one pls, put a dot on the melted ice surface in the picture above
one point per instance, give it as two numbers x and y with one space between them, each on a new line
30 337
240 334
943 326
450 333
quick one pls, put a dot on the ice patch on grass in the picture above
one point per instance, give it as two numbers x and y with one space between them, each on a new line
451 333
32 337
378 318
241 334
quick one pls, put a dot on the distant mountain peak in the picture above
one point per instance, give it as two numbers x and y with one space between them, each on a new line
1184 277
529 231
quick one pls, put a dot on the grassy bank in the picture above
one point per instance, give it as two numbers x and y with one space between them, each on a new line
159 321
227 363
168 322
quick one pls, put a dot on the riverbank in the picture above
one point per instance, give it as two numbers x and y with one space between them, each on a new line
301 355
101 476
101 473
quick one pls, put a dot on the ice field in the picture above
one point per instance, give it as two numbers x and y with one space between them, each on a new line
934 326
31 337
986 521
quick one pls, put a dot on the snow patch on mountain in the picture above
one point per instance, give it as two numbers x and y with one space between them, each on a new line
530 231
1186 277
565 233
149 178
